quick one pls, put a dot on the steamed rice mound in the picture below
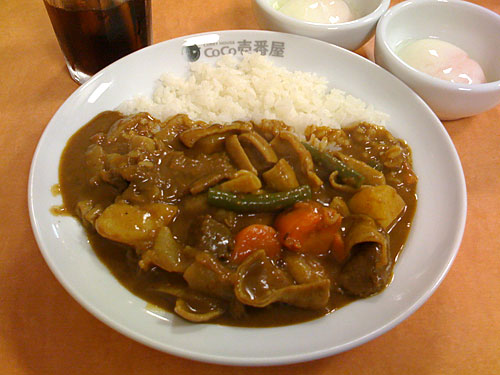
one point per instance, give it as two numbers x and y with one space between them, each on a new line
252 89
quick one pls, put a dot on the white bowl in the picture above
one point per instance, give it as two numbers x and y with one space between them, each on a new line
474 29
350 35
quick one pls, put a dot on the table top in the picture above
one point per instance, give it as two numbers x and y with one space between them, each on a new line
43 330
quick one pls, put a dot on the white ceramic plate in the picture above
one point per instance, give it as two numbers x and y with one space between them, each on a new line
431 247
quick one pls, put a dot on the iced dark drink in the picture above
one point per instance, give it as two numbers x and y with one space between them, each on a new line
94 33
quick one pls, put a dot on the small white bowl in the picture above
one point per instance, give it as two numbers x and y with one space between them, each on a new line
470 27
350 35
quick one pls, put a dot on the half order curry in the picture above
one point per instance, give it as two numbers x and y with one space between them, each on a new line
241 224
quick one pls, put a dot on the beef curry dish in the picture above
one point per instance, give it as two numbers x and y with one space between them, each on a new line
241 224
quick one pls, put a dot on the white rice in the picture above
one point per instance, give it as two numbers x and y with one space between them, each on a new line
252 89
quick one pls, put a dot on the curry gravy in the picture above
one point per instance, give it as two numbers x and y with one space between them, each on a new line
122 260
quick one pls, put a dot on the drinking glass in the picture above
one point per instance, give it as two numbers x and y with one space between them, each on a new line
94 33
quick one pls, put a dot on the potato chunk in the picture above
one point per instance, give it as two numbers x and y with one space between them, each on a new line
129 224
166 253
162 212
380 202
242 182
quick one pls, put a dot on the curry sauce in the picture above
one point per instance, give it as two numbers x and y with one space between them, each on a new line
142 189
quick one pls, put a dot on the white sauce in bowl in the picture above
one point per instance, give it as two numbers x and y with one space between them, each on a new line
318 11
442 60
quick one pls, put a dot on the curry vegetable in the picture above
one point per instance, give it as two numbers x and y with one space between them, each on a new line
258 202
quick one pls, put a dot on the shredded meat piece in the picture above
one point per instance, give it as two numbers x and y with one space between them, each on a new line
191 136
306 162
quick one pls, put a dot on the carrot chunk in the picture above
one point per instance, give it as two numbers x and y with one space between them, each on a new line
311 228
256 237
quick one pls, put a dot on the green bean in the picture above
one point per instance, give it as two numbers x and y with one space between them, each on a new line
346 175
257 202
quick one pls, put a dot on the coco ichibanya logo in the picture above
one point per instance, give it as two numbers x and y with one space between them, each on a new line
264 47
